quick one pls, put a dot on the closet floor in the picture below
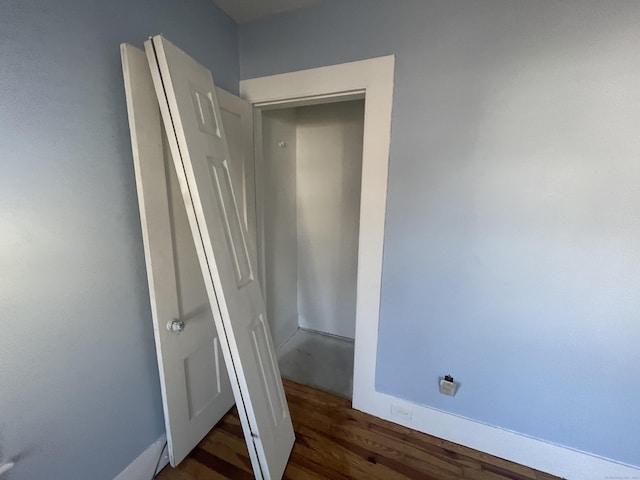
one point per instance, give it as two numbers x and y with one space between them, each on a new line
320 361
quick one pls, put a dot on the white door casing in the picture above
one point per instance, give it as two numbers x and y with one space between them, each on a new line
195 386
371 79
191 115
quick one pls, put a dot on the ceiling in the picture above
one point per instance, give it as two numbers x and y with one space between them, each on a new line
243 11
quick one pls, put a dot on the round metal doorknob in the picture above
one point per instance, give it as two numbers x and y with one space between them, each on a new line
175 326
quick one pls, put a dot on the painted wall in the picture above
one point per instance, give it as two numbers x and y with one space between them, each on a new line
512 258
328 173
280 233
79 389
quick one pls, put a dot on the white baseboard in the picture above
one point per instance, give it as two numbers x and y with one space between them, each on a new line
330 335
142 468
311 326
555 459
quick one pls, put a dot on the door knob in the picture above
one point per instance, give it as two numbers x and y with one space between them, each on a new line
175 326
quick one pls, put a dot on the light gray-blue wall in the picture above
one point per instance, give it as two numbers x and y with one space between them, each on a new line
79 389
512 244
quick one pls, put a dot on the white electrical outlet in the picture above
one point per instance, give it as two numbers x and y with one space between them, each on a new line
400 411
448 386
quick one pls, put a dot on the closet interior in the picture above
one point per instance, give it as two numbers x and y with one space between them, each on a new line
308 201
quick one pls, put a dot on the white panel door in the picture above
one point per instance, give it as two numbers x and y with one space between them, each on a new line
196 391
191 115
237 118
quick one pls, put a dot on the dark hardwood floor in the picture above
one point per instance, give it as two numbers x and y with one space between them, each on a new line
336 442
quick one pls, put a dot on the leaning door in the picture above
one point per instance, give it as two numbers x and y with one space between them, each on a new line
195 386
191 116
237 118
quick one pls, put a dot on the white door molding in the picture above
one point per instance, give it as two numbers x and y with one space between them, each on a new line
373 80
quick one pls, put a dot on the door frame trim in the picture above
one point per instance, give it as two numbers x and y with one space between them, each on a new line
371 79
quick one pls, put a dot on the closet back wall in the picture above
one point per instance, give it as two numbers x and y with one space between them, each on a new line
329 168
312 171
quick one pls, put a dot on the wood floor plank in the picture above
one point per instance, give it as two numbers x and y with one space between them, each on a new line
219 465
195 470
436 450
459 452
229 448
357 461
174 474
434 460
335 442
375 448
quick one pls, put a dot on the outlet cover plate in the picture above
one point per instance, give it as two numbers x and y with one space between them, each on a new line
448 388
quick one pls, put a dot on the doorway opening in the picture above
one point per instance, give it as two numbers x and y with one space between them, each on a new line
370 80
310 197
